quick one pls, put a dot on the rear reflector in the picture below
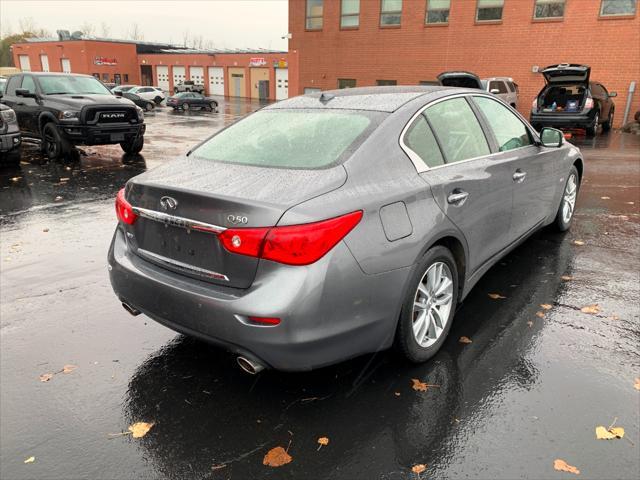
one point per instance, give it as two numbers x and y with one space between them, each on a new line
124 211
265 320
292 245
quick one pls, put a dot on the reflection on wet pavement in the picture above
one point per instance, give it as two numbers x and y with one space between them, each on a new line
530 387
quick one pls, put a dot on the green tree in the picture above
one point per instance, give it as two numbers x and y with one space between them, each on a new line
6 58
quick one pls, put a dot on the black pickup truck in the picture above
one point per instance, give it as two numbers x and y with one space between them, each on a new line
63 110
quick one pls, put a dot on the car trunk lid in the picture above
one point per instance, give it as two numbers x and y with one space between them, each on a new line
183 206
567 73
460 79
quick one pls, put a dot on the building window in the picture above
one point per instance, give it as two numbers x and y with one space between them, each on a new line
489 10
382 83
126 77
437 11
311 90
390 12
105 77
346 83
350 14
428 82
549 9
314 14
612 8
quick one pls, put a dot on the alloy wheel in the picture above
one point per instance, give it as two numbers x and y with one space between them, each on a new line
432 304
569 198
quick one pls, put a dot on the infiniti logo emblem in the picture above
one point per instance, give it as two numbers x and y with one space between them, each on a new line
168 203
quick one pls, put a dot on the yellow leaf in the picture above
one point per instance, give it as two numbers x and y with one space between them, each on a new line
276 457
45 377
418 386
465 340
69 368
605 198
566 278
563 466
603 434
397 394
546 306
419 468
140 429
30 460
496 296
595 308
323 441
578 242
540 314
637 384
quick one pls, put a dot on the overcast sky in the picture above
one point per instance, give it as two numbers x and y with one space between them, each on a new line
226 23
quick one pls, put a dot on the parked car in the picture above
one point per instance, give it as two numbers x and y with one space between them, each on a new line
570 100
62 110
123 88
9 137
334 224
149 93
503 87
146 105
188 100
3 84
188 86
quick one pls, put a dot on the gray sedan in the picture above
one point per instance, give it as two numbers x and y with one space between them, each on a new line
331 225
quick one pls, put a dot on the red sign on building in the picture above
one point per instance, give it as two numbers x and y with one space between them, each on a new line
105 61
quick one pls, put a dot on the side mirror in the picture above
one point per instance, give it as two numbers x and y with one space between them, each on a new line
495 91
551 137
118 93
23 92
613 94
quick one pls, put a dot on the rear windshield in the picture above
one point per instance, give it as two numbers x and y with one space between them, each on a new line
291 138
62 84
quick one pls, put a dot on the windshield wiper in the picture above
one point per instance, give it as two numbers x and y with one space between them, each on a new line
58 93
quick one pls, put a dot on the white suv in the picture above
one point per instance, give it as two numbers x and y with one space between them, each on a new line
503 87
149 93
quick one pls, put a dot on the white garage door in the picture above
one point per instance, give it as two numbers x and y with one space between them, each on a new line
25 65
216 81
162 77
178 75
66 65
282 83
197 75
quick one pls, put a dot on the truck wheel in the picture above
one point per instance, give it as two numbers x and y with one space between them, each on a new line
606 126
133 146
592 130
53 144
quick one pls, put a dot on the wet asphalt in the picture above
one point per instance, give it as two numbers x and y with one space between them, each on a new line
529 389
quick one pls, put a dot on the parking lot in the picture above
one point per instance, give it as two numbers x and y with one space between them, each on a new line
531 387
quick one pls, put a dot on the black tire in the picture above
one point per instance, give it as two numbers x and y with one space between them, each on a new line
10 159
592 130
54 145
186 106
561 223
133 146
405 340
158 100
606 126
149 106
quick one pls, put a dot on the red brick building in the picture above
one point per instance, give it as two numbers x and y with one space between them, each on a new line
230 73
367 42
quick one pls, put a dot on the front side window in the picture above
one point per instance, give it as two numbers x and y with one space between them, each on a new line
390 12
489 10
346 83
288 138
420 139
67 84
437 11
612 8
549 9
315 10
497 85
457 130
28 84
509 131
350 14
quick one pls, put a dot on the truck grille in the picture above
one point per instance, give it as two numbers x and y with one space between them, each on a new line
110 115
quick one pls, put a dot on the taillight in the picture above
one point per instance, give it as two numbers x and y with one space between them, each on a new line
534 104
124 211
588 103
292 245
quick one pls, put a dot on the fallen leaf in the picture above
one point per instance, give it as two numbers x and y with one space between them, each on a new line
69 368
566 278
630 203
602 433
540 314
530 323
140 429
30 460
546 306
563 466
419 468
276 457
578 242
397 394
418 386
637 384
323 441
45 230
45 377
464 340
605 198
496 296
613 317
57 199
218 467
595 308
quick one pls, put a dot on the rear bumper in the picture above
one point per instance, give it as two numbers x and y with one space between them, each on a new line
101 134
9 141
580 120
330 310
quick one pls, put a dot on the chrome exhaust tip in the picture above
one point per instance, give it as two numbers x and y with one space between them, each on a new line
250 366
130 309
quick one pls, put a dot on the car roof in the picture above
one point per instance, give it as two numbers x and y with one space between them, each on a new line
381 99
58 74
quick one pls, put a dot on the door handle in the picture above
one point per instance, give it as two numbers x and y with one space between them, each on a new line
519 176
21 104
457 197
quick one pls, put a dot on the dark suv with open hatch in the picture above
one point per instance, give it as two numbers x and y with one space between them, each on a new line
63 110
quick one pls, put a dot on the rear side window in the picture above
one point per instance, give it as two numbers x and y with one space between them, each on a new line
12 84
288 138
458 130
509 131
420 139
498 85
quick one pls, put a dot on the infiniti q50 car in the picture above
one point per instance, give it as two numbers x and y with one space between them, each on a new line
332 225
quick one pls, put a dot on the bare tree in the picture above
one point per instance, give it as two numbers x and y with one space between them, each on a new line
87 29
185 38
105 30
197 42
26 24
135 33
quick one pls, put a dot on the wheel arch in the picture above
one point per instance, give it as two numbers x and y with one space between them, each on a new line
579 164
45 117
457 249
